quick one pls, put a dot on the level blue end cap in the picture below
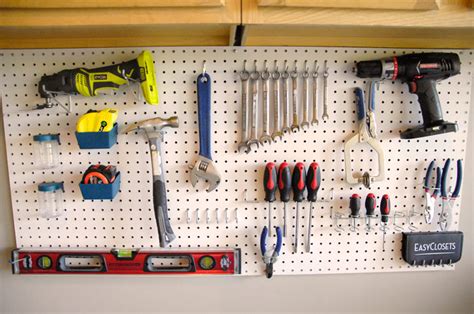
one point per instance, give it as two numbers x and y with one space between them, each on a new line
46 137
50 186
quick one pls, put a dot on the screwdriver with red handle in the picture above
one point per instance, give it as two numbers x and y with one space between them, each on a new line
313 181
284 186
298 183
354 205
384 212
370 205
270 186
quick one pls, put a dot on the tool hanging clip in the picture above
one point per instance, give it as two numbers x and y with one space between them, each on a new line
363 136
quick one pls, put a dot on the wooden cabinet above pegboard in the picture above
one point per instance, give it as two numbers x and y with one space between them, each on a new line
368 23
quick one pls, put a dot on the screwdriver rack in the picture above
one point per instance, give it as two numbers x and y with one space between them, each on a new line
128 221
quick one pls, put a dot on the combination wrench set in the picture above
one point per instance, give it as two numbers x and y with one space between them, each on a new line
279 92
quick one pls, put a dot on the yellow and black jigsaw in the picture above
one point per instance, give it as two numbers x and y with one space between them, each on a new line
91 82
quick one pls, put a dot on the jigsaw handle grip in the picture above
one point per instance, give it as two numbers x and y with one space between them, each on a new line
204 114
360 104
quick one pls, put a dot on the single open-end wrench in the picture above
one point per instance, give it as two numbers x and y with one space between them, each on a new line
253 141
286 100
266 138
306 97
277 133
295 126
315 121
204 167
244 77
325 94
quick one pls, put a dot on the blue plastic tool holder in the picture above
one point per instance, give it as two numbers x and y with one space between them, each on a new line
100 191
97 140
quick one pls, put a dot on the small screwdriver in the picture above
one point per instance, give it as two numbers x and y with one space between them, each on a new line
270 186
354 205
284 185
384 212
298 183
370 204
313 181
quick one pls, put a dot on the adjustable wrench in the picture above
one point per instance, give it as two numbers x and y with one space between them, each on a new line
325 94
315 121
253 141
276 104
204 167
286 100
266 138
244 77
306 97
294 80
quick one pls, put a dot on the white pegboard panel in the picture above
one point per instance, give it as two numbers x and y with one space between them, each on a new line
128 220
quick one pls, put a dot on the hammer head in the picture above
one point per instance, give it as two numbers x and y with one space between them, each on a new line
154 125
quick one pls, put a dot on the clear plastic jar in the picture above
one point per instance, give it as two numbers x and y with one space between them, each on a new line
47 150
50 198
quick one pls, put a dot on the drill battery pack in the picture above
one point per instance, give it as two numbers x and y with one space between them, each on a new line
432 248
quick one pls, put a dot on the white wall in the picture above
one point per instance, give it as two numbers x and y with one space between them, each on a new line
450 291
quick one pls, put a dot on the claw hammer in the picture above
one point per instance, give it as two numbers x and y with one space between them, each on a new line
154 132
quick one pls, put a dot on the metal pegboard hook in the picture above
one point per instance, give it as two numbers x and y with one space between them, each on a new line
204 67
244 198
396 226
329 198
410 215
336 219
275 65
326 68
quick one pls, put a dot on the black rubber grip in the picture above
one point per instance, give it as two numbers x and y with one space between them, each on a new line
354 205
160 200
370 204
284 182
429 102
298 182
313 181
270 182
385 208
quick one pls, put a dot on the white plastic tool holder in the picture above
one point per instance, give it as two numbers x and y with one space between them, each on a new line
128 220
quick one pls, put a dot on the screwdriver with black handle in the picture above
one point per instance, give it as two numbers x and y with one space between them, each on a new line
370 204
313 181
354 205
270 186
384 212
284 186
298 183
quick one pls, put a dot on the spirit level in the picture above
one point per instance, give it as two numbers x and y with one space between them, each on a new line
126 261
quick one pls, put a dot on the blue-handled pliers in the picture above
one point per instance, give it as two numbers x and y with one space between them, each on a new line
270 256
430 198
446 217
